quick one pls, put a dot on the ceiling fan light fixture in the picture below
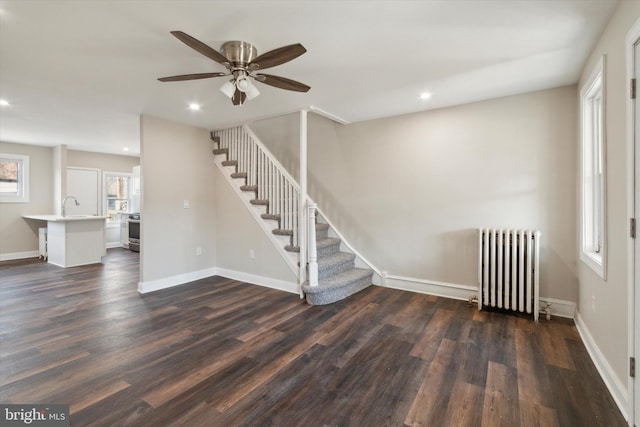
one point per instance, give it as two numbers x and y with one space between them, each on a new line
252 91
243 84
228 89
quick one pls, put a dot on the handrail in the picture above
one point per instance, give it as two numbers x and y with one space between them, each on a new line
311 207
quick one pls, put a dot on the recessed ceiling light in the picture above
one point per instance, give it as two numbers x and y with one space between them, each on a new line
425 95
125 148
194 106
4 102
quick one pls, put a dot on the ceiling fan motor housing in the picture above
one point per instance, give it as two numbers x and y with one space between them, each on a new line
239 53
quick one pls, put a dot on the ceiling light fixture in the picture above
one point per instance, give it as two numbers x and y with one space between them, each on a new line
425 95
241 83
125 148
194 106
4 103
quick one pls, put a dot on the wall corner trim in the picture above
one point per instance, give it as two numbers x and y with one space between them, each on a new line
616 387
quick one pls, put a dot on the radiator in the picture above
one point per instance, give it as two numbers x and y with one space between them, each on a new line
508 272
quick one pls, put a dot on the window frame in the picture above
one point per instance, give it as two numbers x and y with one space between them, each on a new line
105 198
593 170
22 195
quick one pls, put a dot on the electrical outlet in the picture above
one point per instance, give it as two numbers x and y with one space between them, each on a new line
198 251
252 254
185 204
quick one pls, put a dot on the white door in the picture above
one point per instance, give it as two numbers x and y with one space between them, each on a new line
84 185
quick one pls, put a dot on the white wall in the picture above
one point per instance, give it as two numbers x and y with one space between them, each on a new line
18 236
607 322
409 191
177 165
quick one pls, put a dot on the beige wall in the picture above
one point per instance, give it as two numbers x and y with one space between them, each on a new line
18 235
607 323
409 192
104 162
177 165
237 233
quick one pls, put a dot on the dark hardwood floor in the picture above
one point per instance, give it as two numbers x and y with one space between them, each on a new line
219 352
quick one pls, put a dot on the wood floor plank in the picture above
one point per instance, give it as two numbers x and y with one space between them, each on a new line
429 343
220 352
428 400
465 405
532 377
500 407
97 395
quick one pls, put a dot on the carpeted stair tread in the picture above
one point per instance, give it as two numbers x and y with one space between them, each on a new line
335 259
327 245
338 287
260 202
221 151
322 231
290 248
229 163
282 232
339 280
252 188
275 217
239 175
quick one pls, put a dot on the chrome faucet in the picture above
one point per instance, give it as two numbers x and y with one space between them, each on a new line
63 202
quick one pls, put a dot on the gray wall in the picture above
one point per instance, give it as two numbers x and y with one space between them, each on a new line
409 191
176 165
608 321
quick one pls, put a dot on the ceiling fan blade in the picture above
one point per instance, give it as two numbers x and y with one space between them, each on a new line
238 97
202 48
277 57
190 77
282 82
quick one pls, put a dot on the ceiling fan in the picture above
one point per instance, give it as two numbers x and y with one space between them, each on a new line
242 62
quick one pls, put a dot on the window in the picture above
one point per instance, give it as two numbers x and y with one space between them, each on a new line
117 191
593 234
14 178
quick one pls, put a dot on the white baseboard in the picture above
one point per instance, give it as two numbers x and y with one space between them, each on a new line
111 245
19 255
281 285
559 308
431 287
180 279
617 389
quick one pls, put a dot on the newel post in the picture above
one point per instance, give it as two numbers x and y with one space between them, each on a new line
302 201
311 243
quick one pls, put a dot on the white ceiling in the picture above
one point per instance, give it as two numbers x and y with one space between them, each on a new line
81 73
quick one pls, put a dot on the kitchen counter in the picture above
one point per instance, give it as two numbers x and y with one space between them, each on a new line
74 239
59 218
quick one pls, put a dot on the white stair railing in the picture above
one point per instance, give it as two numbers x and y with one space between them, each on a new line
311 242
271 181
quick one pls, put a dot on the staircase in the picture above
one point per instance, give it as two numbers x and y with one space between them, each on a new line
273 197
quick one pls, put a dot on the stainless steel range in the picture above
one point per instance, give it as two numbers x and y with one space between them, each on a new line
134 232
